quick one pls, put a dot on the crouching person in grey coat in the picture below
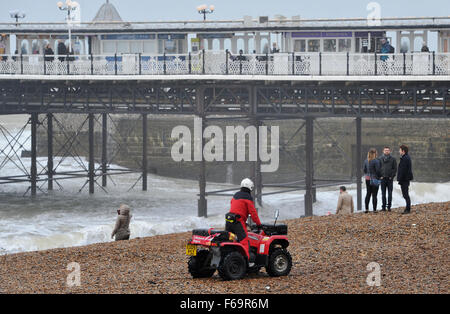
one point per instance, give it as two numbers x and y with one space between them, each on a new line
122 228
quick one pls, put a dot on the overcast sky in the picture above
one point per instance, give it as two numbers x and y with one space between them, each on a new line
151 10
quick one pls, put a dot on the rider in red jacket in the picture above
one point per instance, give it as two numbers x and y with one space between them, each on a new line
242 206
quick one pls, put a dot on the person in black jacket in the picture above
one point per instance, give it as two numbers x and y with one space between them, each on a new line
372 170
388 172
405 175
62 51
48 52
425 48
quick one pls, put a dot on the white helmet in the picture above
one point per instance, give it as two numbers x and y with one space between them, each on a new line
247 183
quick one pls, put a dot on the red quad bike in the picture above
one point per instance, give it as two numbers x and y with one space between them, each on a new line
212 250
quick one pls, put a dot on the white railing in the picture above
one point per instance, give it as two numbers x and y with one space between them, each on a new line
224 63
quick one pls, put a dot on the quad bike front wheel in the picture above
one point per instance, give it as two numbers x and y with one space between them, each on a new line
280 263
233 266
199 265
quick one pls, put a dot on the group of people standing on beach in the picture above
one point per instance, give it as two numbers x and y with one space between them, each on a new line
381 172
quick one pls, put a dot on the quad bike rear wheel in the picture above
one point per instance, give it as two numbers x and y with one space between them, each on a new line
233 266
280 263
199 265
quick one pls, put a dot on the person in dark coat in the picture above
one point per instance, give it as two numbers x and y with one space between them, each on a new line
48 52
274 48
388 173
241 56
62 51
372 171
16 53
425 48
405 175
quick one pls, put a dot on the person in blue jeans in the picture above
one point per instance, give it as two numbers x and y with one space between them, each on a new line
372 172
388 173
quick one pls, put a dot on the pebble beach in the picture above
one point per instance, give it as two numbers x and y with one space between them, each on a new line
330 255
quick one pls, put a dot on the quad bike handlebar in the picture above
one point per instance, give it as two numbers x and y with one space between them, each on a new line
256 228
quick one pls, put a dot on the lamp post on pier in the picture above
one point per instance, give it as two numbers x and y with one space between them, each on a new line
70 6
17 15
203 9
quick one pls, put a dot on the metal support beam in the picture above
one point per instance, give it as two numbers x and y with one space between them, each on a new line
104 148
258 174
91 169
202 202
358 163
309 158
33 170
50 151
256 168
144 151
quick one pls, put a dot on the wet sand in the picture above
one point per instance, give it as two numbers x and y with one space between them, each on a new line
330 255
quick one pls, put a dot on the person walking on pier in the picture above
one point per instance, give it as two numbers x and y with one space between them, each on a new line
425 48
48 52
386 48
345 202
275 48
405 175
372 172
388 172
122 228
62 51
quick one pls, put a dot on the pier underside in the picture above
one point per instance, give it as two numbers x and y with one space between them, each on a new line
249 100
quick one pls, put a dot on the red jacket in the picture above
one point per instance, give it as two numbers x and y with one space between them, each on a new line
242 205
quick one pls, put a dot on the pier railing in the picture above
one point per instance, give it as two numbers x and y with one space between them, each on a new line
225 63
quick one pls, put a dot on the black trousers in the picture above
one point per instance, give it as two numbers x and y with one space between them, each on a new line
371 191
388 185
240 231
405 193
237 229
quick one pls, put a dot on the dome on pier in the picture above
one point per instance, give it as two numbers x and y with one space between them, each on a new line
107 13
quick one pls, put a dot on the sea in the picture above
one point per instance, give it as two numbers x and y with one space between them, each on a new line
68 216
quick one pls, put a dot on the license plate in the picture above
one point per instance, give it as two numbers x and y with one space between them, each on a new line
191 250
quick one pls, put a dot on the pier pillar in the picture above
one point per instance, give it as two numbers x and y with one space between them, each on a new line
358 163
33 170
104 148
144 151
202 202
256 168
50 151
309 160
91 169
258 174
